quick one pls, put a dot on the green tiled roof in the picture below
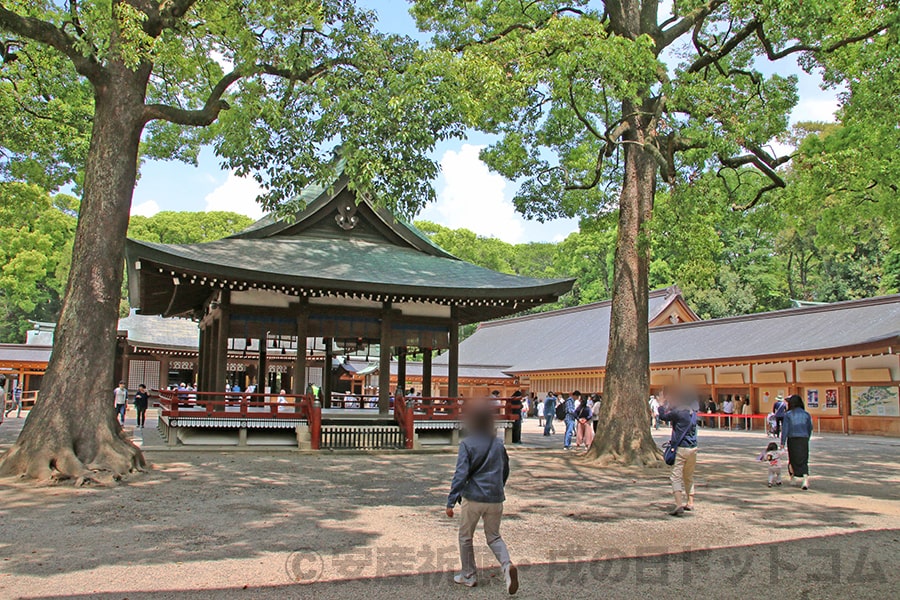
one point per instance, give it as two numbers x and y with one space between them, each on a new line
315 249
343 264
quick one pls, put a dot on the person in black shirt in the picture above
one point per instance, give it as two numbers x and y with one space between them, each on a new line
141 399
515 405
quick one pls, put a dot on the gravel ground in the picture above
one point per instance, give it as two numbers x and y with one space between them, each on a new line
221 525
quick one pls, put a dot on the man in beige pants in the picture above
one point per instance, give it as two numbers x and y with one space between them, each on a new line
684 437
482 468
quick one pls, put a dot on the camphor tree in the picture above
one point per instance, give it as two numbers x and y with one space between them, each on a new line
595 102
274 85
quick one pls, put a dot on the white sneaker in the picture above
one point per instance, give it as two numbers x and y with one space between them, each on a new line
511 573
466 581
805 485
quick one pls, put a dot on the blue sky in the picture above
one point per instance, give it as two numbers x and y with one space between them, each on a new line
468 194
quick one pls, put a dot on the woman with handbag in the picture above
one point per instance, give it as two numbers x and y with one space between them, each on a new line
681 450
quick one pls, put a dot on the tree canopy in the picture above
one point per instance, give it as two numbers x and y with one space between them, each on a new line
176 227
36 233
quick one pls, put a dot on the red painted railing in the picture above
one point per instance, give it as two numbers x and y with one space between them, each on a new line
450 409
409 410
405 419
182 403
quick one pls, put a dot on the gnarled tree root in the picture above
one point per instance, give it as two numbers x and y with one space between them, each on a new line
113 460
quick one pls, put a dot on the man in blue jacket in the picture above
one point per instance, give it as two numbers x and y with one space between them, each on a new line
482 468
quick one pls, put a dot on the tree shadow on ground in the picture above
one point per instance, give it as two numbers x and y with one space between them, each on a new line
213 506
858 565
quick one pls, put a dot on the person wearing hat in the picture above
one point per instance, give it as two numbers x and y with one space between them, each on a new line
780 408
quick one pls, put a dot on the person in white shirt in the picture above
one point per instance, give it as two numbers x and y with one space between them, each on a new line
121 398
728 409
283 403
654 412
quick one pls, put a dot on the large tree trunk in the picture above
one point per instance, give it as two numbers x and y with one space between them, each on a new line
72 431
623 435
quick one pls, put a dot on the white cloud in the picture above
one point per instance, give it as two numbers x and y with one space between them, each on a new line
145 209
816 109
237 194
474 198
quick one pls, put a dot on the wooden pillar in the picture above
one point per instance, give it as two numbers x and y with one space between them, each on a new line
326 372
261 371
453 362
201 356
221 349
384 361
163 372
401 369
298 381
208 358
794 384
426 372
844 398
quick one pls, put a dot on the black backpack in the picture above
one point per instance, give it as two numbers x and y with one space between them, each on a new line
561 411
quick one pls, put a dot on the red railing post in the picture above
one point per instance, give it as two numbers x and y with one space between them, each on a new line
411 425
313 412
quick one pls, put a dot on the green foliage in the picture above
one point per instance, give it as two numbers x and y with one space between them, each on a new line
170 227
46 114
36 232
529 260
274 86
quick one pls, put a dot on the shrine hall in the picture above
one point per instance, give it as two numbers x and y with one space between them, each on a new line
343 271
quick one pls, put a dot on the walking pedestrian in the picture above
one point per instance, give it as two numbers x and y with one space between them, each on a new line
774 456
570 418
16 400
549 413
141 400
121 399
684 440
796 429
482 469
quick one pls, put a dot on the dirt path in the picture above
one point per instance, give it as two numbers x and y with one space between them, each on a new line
253 524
